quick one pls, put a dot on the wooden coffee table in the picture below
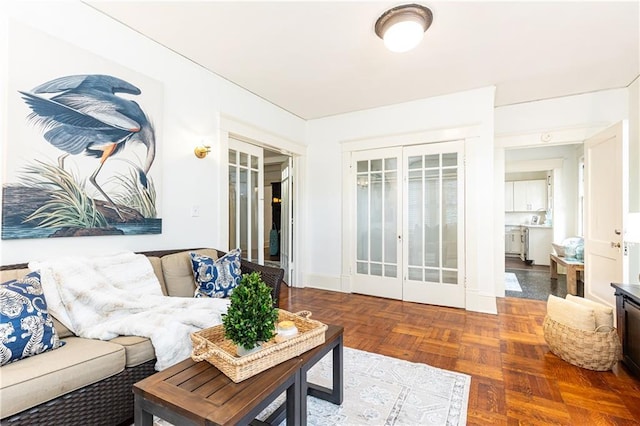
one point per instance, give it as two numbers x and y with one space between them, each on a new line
332 342
191 393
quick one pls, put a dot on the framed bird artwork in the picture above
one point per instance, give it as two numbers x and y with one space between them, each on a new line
94 169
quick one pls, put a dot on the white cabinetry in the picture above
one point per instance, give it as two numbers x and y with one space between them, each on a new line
529 195
512 241
540 238
508 196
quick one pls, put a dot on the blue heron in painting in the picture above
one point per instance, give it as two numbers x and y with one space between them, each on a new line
86 115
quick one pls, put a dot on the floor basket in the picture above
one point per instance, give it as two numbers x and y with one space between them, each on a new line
593 350
210 345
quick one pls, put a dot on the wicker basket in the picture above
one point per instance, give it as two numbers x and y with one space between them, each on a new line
593 350
210 345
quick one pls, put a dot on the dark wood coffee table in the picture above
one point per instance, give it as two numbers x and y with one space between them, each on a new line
332 342
191 393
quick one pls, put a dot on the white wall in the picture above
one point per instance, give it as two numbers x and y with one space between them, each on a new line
194 98
323 248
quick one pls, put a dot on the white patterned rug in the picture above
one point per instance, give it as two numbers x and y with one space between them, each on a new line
511 282
380 390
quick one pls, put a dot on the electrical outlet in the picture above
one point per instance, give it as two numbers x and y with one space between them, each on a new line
195 211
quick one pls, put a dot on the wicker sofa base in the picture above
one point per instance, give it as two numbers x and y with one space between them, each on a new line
107 402
593 350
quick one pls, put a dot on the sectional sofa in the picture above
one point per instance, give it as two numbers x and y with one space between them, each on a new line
87 381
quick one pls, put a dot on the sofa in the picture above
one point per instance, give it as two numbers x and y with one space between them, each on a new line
88 381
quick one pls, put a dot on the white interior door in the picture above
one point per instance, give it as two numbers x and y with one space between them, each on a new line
378 259
434 224
409 233
606 178
246 199
286 225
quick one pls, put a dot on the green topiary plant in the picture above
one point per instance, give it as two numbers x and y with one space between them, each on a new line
251 317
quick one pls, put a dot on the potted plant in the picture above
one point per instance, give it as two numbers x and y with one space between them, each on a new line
251 317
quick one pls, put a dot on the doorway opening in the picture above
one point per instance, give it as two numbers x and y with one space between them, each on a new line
542 206
260 219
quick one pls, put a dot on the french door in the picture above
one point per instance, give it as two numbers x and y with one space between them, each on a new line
246 199
286 225
409 204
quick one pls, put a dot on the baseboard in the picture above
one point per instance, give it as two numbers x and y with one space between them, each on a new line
481 302
323 282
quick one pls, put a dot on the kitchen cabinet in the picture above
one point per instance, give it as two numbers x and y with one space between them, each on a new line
539 244
529 195
508 196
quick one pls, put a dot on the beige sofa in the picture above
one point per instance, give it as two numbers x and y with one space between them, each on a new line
89 381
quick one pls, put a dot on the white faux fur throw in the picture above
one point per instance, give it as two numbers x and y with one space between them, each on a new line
104 297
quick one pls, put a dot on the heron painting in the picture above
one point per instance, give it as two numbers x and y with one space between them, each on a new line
90 115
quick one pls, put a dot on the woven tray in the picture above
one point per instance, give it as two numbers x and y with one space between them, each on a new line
210 345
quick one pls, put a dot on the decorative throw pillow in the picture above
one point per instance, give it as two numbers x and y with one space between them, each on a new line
603 313
26 328
216 277
571 314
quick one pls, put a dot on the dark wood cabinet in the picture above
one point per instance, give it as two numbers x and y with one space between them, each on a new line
628 323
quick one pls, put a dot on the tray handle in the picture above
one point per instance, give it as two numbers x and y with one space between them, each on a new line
201 353
304 314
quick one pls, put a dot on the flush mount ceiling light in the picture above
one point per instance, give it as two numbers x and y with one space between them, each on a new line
403 27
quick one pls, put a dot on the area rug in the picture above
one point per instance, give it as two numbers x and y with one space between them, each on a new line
380 390
511 282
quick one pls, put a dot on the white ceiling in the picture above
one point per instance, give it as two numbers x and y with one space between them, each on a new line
317 59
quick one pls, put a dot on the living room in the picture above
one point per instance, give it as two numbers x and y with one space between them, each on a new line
46 40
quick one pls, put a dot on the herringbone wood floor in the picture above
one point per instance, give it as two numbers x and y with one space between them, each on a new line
515 379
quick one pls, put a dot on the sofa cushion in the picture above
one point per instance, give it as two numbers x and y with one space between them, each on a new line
178 273
156 263
216 277
603 313
571 314
80 362
138 350
26 328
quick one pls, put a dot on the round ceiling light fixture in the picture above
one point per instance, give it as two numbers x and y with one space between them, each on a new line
403 27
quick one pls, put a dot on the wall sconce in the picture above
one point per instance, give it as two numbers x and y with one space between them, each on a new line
201 151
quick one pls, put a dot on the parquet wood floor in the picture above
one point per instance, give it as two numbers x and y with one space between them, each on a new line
515 379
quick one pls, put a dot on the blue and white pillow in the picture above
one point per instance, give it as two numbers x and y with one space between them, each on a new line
216 278
26 328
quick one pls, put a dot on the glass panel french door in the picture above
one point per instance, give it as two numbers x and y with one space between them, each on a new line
409 223
434 224
246 199
286 226
378 224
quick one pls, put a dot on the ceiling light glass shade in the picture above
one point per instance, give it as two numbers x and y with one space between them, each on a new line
403 27
403 36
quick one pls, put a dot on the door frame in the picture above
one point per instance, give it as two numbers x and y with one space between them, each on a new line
230 126
540 139
465 134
